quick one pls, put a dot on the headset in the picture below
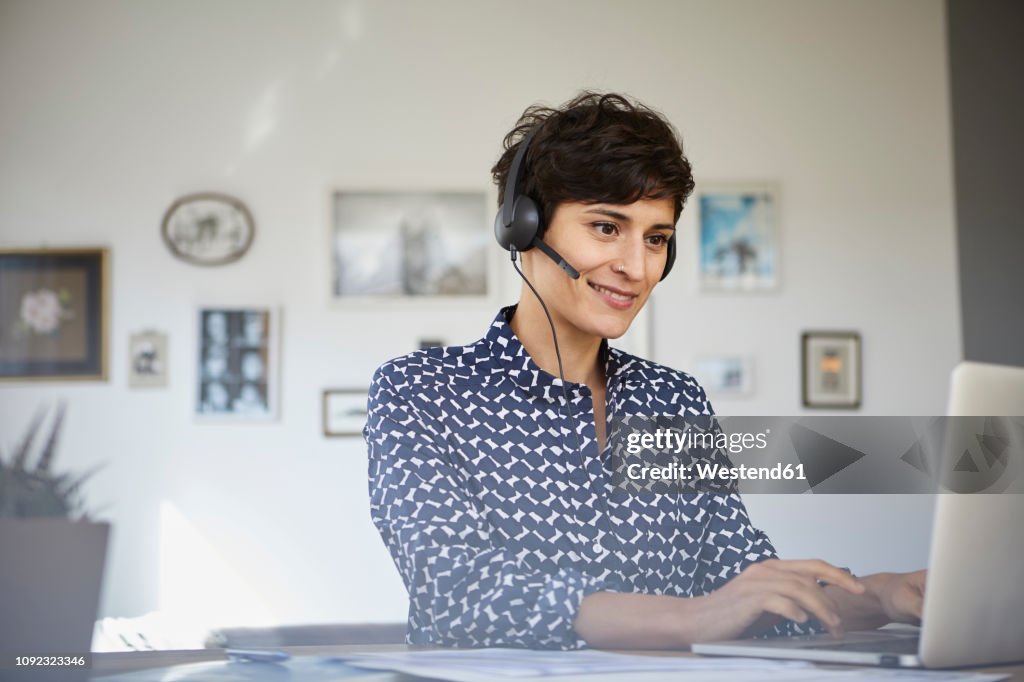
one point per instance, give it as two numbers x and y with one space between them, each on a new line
519 226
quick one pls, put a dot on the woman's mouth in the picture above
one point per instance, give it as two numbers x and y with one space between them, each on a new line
620 300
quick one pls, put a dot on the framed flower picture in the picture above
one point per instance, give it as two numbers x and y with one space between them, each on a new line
54 314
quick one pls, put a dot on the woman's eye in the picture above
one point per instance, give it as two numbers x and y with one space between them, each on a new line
658 239
606 228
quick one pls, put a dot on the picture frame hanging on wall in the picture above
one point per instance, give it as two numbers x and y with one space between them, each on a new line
410 245
208 228
147 360
344 411
725 375
831 376
54 314
738 234
237 371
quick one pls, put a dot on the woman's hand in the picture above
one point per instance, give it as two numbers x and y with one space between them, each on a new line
901 595
753 601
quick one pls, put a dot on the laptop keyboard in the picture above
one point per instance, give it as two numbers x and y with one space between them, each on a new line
901 645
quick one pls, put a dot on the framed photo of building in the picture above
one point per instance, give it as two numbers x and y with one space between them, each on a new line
738 232
238 355
54 314
147 354
344 411
831 369
402 245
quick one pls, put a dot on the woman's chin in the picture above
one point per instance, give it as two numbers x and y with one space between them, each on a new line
611 328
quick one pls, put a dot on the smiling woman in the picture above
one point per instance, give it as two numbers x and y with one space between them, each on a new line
490 477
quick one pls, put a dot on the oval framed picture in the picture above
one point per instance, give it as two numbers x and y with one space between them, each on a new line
208 228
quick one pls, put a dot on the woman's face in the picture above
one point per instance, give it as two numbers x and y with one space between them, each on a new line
619 251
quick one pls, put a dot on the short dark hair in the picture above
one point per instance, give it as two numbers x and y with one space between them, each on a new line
597 148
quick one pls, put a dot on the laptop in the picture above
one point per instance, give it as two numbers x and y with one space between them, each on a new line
974 603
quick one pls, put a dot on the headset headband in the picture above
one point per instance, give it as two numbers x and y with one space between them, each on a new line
514 173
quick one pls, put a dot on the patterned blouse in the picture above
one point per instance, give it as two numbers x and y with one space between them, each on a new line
500 525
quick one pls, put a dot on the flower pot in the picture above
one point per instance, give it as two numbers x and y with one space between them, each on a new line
51 572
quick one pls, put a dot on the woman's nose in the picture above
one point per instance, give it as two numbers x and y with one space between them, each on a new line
632 260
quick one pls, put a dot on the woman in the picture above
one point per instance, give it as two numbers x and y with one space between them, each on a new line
489 473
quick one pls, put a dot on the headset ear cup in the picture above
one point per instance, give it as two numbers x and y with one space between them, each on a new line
670 257
501 233
525 223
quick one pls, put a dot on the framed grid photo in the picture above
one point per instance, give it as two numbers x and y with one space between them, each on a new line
831 375
238 355
54 314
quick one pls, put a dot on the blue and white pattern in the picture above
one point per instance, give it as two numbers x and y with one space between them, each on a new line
500 525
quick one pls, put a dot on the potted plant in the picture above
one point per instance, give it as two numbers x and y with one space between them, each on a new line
51 561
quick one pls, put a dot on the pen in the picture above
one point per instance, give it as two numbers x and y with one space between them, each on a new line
256 655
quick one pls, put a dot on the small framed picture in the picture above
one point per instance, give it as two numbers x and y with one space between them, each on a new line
344 411
831 369
237 373
147 354
725 375
54 314
738 237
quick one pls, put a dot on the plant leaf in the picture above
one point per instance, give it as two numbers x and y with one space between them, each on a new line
50 449
21 451
75 485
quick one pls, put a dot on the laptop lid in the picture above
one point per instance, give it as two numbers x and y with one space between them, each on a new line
974 602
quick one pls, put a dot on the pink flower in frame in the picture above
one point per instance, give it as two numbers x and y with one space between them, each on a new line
41 311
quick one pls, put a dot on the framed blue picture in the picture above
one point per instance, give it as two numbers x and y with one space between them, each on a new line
738 233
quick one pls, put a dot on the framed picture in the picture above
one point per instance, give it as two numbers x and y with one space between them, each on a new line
147 353
725 375
738 234
208 229
237 373
831 369
54 314
410 244
344 411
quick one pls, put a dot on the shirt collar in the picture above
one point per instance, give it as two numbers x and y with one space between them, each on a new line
508 351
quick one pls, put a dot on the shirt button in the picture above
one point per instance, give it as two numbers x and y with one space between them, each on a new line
598 548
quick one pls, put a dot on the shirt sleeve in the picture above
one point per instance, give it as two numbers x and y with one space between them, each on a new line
732 543
465 588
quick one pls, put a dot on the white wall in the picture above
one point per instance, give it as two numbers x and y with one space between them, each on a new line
111 110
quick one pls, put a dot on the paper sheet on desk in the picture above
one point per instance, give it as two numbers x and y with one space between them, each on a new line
466 664
299 668
487 665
